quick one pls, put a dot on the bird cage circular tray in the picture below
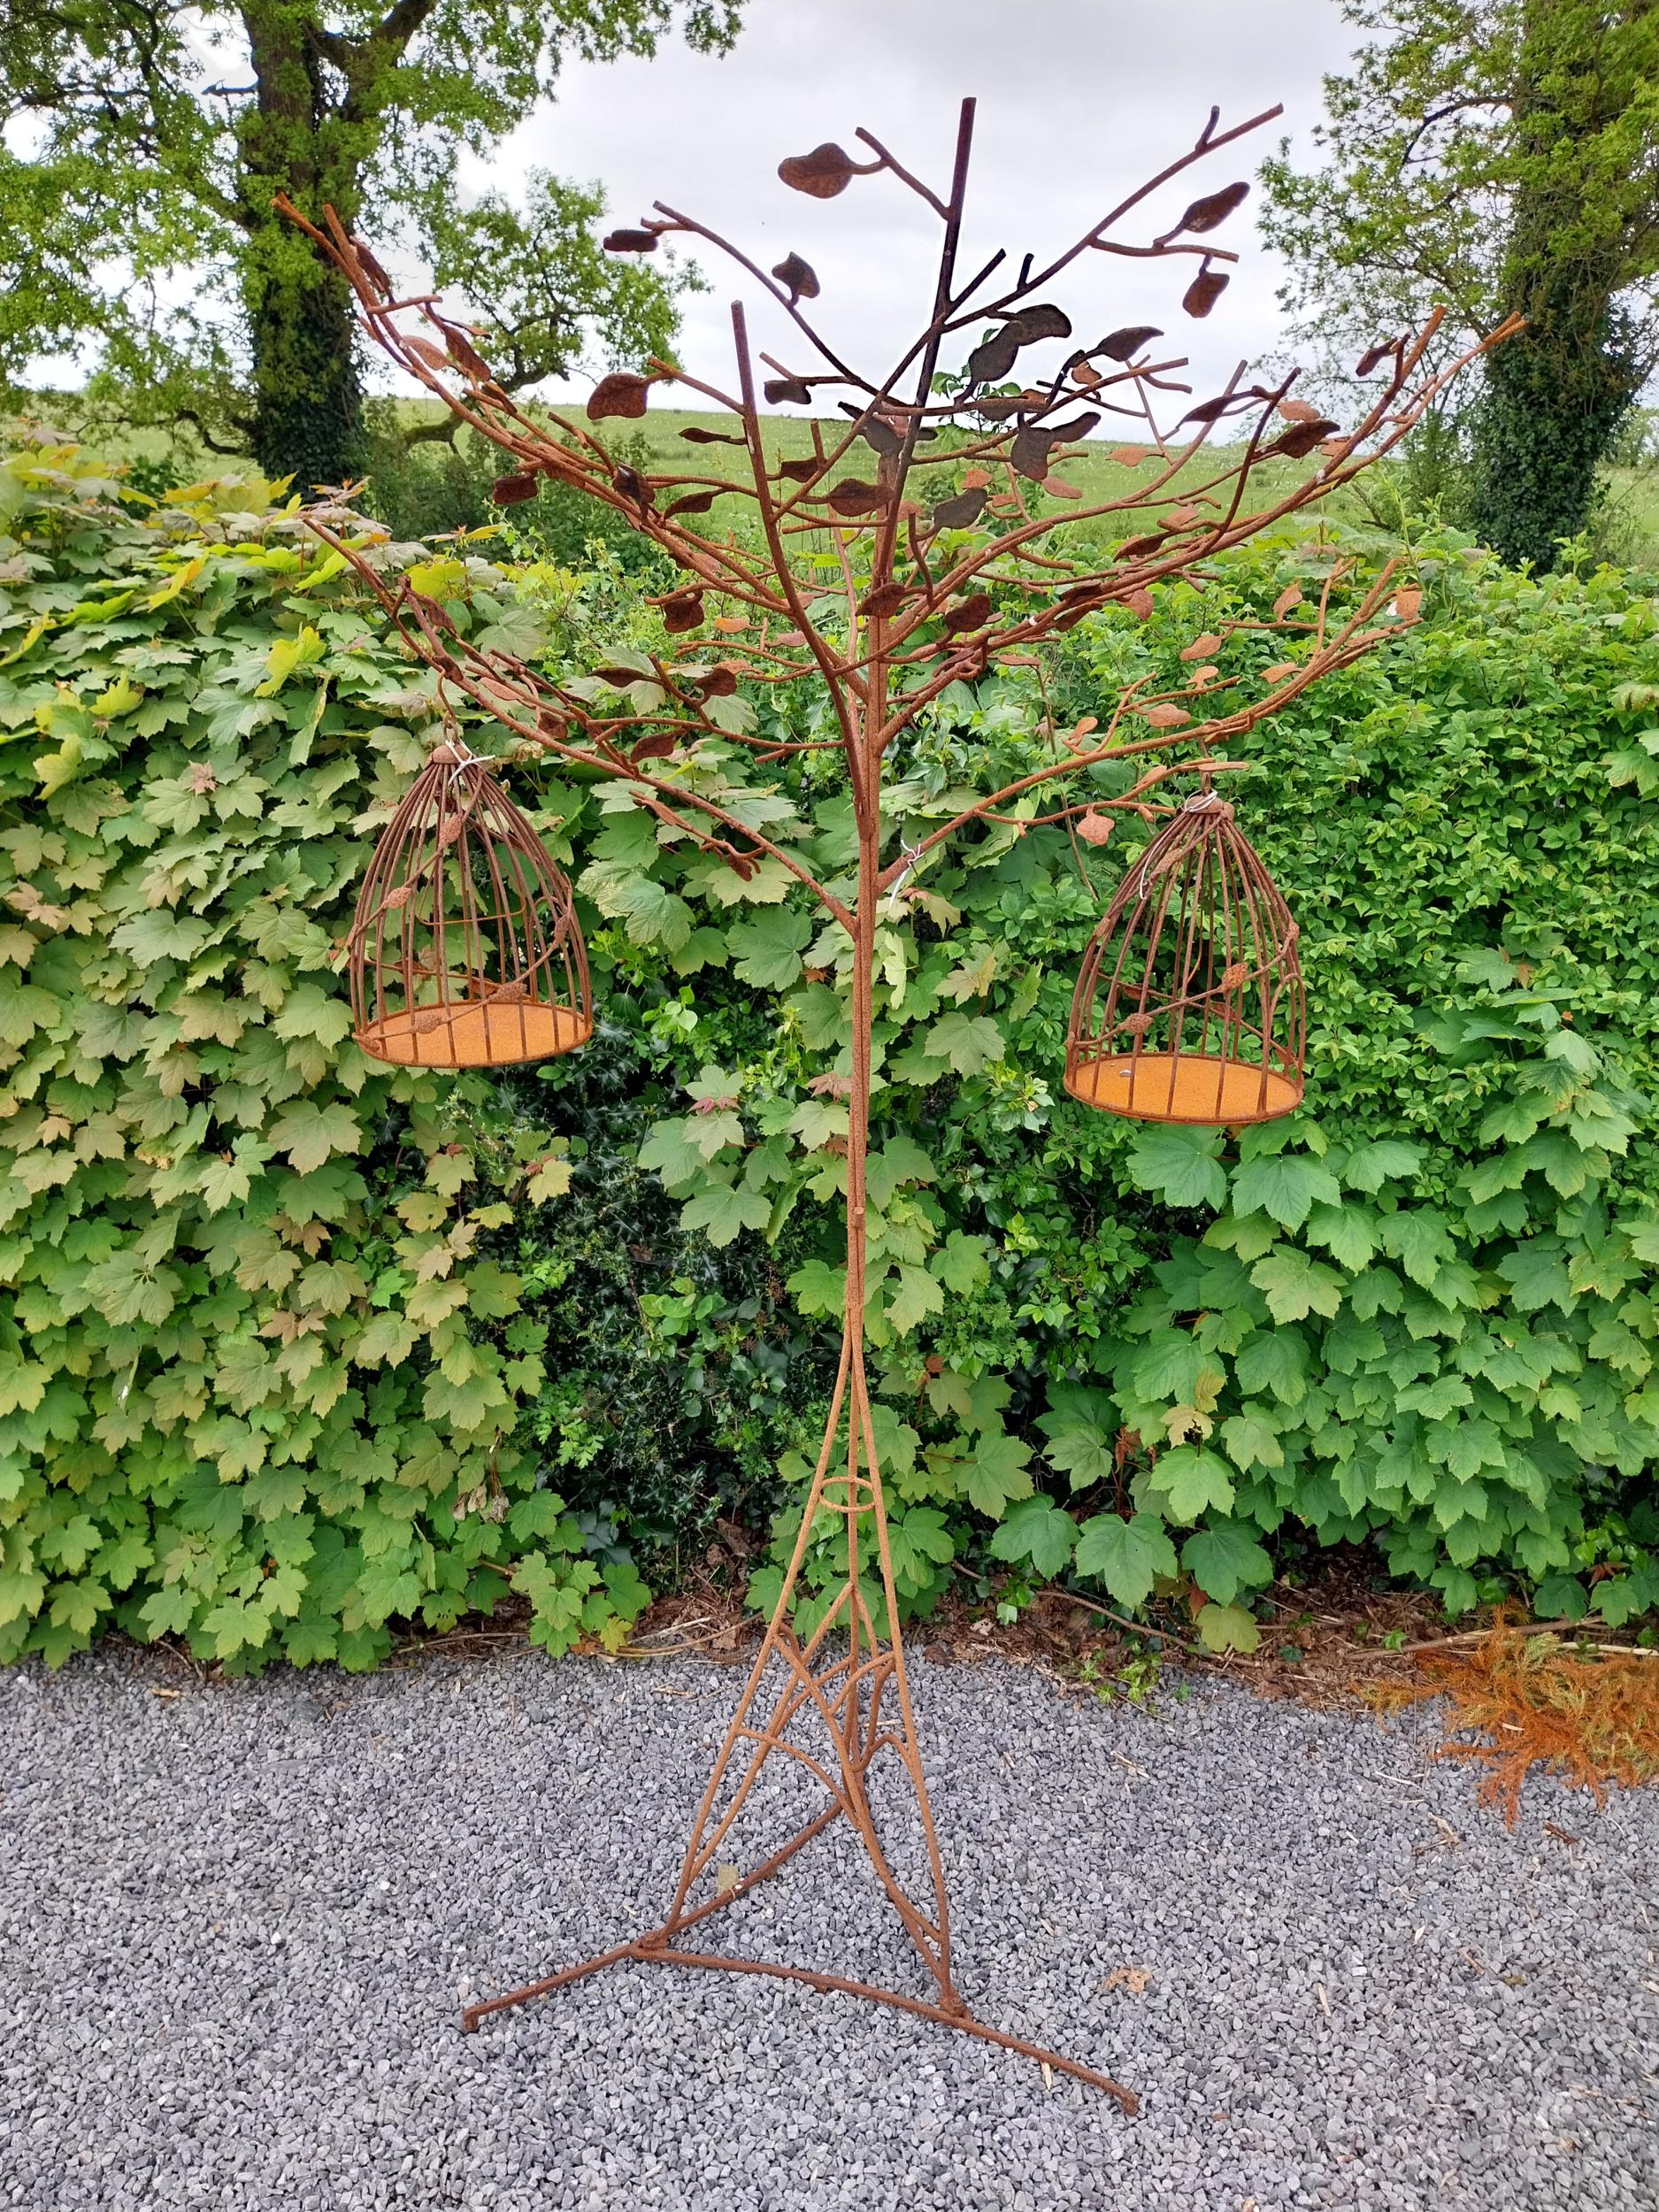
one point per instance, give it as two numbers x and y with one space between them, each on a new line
1190 1005
465 951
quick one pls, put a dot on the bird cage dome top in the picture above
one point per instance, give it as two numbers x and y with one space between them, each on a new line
1190 1005
465 951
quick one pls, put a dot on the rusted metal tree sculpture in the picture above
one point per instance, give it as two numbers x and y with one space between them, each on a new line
955 546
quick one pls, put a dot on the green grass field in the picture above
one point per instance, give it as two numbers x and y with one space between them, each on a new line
1626 533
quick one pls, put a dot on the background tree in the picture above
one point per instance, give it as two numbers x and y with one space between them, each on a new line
1501 157
144 140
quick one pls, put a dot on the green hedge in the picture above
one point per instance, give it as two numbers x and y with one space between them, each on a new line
299 1352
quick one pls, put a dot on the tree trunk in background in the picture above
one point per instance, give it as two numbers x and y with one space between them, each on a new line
1557 397
308 391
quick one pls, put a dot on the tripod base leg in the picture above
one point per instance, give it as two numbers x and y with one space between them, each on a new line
652 1950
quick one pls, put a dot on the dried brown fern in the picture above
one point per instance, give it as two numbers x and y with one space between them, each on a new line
1538 1701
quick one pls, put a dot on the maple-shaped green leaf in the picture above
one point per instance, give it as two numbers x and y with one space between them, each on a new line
818 1287
1172 1364
815 1121
389 1339
1295 1286
310 1011
1223 1559
1250 1439
916 1295
1078 1426
673 1148
1285 1185
920 1540
966 1042
1227 1628
1036 1529
1388 1160
1537 1274
1180 1164
310 1134
961 1263
768 949
1420 1238
1192 1481
1127 1556
899 1160
995 1471
1349 1233
721 1210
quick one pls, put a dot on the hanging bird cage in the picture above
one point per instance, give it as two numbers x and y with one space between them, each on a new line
464 952
1190 1005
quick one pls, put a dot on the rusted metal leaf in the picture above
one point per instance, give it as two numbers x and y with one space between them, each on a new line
1129 456
371 269
853 496
682 611
463 353
1301 437
621 393
992 359
1201 647
423 349
1088 378
1408 604
630 242
960 512
1291 596
1374 356
1202 293
779 389
797 277
656 747
1165 716
1094 828
1212 210
1298 411
1057 488
633 486
1138 602
719 683
692 504
821 174
1147 542
799 472
698 436
885 599
512 491
1121 345
1042 319
971 613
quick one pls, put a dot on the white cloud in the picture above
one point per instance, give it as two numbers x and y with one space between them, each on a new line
1078 103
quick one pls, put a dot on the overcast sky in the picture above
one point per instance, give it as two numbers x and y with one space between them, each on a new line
1078 101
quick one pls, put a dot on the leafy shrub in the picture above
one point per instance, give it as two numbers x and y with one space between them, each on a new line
293 1360
263 1378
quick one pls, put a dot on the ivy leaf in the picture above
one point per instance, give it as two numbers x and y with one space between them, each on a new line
721 1210
1193 1481
1223 1559
1295 1286
1127 1556
1037 1530
1181 1164
1284 1186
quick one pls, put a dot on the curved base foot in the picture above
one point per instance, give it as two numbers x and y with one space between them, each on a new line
656 1950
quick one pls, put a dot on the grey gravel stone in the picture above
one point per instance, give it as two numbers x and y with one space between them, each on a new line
236 1922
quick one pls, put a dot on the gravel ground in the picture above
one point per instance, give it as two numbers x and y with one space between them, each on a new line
235 1922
